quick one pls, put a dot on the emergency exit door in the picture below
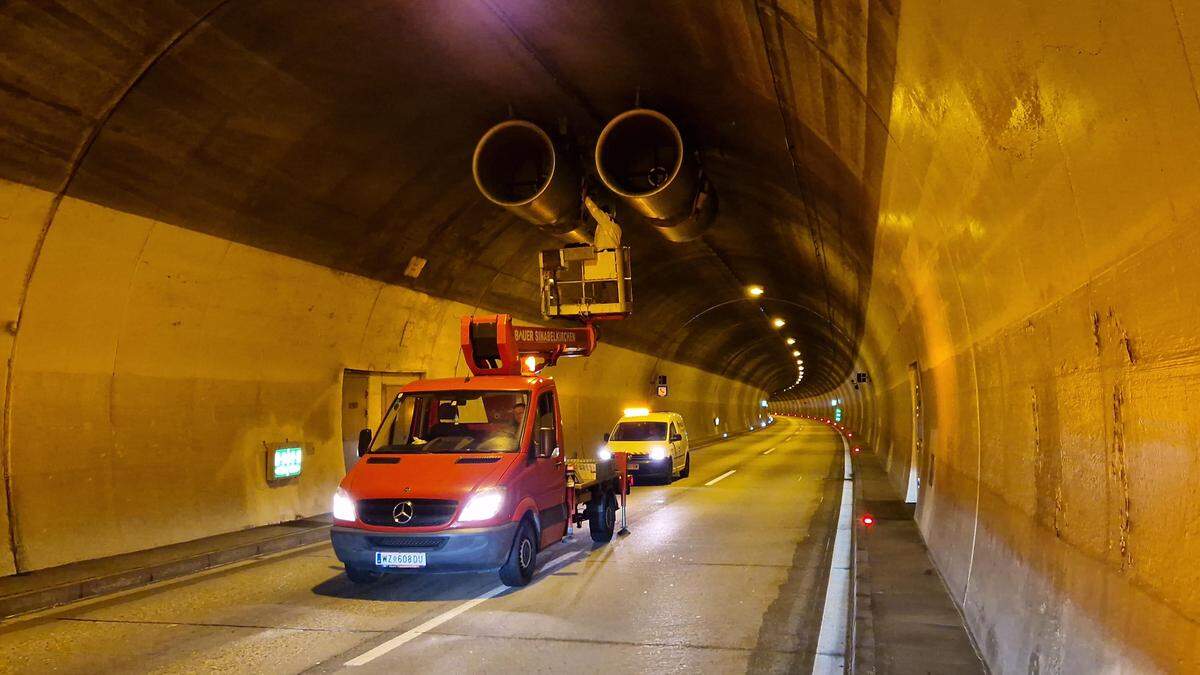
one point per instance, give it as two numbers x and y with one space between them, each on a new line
918 435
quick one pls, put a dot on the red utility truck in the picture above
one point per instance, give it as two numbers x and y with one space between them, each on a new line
470 474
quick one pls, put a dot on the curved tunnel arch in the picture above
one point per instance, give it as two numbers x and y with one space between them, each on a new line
1012 217
165 187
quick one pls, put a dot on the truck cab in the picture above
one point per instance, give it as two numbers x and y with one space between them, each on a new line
462 475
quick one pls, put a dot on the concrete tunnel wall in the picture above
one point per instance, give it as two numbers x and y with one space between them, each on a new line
1036 257
1032 256
153 363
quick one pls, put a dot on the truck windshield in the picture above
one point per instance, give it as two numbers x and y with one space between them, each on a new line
453 422
640 431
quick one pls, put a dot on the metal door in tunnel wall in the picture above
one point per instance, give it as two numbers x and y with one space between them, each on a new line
918 435
365 397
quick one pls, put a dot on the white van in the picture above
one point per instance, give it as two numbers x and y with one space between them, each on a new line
657 444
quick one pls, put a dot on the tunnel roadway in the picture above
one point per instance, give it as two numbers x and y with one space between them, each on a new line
723 572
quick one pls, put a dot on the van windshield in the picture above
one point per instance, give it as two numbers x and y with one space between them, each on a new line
640 431
453 422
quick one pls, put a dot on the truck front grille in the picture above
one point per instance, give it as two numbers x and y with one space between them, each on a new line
406 543
426 512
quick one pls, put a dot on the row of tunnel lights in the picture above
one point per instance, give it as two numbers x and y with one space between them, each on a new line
756 291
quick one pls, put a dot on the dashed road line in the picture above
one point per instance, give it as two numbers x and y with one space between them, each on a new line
720 478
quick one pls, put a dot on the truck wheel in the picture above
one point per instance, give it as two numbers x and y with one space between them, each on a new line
602 520
361 576
687 466
518 568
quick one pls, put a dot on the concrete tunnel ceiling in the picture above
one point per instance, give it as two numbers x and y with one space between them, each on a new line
341 133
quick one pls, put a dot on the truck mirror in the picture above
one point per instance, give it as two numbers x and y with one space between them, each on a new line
546 442
364 442
675 438
606 437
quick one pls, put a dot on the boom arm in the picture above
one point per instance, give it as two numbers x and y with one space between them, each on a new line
492 345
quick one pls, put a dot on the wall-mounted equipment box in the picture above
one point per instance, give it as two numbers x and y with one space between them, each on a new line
284 461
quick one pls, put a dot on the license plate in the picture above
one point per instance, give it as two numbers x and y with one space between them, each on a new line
633 467
399 559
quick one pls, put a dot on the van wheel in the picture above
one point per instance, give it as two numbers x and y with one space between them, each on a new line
602 521
687 466
522 559
362 576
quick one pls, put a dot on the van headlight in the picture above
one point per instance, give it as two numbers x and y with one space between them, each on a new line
658 452
483 505
604 454
343 506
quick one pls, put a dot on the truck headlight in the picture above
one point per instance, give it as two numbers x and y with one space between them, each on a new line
604 454
343 506
658 452
483 505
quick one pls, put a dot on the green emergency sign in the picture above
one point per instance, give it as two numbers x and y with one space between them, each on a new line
286 462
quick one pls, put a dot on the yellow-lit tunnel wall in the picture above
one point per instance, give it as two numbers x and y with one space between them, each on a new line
154 362
1036 259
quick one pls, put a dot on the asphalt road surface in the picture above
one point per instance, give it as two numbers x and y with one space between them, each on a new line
720 575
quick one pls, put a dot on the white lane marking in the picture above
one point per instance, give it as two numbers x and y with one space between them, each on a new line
720 478
413 633
768 451
831 642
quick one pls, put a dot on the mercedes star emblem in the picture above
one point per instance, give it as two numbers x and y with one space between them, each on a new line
402 512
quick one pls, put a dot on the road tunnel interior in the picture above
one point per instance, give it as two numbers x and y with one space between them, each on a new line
218 214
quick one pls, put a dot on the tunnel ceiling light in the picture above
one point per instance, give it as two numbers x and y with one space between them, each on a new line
778 322
795 352
755 290
791 341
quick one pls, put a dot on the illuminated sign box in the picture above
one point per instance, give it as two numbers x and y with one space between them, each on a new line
284 461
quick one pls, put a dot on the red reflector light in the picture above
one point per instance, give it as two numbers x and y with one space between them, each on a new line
868 520
857 449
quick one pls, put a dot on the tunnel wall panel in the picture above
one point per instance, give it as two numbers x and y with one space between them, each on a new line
1035 255
23 213
154 362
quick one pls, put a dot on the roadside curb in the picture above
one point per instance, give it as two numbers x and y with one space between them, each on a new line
60 594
